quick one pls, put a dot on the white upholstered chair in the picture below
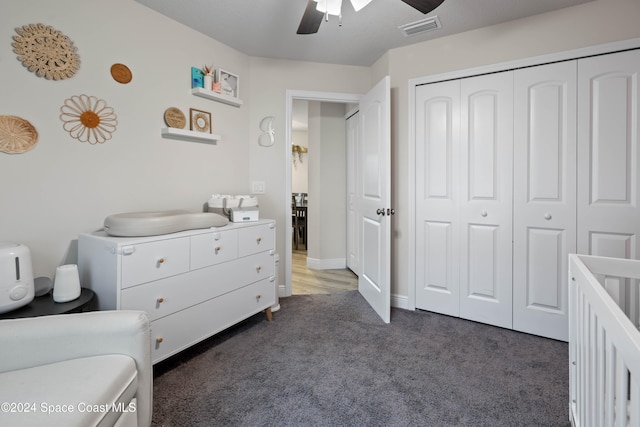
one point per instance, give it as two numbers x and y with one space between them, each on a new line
85 369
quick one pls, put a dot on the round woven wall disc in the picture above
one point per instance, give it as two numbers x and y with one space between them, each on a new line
17 135
175 118
121 73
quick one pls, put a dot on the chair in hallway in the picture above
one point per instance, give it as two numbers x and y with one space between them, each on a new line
299 221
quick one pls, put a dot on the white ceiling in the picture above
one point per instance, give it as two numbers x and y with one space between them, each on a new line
267 28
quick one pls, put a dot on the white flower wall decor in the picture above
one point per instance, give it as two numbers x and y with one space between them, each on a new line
88 119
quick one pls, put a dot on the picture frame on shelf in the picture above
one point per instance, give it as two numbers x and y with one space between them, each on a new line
229 83
199 121
197 77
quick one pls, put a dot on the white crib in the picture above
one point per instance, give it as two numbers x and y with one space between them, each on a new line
604 341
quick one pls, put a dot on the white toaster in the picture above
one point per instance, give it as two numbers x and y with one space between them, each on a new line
16 276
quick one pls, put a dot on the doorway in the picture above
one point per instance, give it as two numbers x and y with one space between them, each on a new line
314 272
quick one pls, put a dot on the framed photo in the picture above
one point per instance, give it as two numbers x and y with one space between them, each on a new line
199 121
197 77
229 83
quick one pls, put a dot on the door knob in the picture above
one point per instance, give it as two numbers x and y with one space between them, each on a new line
381 212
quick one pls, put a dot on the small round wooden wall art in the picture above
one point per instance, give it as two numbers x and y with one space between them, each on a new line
46 51
17 135
121 73
88 119
175 118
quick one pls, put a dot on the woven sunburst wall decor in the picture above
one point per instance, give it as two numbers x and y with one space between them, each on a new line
88 119
17 135
46 51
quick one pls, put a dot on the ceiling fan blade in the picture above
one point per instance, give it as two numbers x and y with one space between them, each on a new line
424 6
311 19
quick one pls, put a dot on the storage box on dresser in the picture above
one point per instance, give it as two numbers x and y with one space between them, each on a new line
192 284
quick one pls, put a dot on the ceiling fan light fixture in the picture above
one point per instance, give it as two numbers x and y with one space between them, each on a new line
330 7
359 4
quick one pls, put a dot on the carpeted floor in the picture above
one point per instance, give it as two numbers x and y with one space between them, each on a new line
327 360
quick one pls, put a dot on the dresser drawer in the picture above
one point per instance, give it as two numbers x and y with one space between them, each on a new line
213 248
256 239
146 262
180 330
166 296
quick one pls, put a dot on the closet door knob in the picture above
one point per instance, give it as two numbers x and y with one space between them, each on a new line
547 216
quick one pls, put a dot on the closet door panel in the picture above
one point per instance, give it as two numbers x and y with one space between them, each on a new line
608 154
544 208
437 241
486 183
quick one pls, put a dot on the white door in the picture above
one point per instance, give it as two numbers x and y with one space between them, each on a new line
544 205
437 111
353 253
374 163
485 206
609 155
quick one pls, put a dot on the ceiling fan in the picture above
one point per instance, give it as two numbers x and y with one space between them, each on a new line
318 9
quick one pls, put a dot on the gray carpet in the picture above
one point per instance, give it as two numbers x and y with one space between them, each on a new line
327 360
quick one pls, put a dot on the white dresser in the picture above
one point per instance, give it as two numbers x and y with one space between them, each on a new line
193 284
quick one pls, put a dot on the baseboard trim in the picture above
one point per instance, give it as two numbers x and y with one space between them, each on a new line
326 264
400 301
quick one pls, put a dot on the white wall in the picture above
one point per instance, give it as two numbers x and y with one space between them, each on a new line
327 185
270 80
597 22
63 187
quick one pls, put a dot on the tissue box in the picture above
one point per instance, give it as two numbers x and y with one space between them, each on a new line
244 214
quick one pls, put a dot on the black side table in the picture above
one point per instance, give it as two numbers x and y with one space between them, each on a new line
45 306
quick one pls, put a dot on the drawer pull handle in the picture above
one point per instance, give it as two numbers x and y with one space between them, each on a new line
259 239
218 249
547 216
258 268
161 261
159 340
160 300
258 297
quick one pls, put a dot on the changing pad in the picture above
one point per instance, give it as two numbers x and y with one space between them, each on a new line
137 224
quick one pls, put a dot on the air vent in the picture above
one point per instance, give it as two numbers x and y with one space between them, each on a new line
419 27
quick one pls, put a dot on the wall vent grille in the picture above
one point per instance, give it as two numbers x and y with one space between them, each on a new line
419 27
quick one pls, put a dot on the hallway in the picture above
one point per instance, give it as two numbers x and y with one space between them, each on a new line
306 281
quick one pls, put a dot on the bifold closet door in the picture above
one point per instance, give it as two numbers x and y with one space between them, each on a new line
464 160
437 128
486 198
544 208
609 155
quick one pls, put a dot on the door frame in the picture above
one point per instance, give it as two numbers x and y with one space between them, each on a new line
470 72
303 95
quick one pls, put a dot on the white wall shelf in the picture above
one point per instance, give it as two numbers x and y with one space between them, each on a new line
189 135
215 96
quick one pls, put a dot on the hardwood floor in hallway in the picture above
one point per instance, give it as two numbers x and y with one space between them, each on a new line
305 281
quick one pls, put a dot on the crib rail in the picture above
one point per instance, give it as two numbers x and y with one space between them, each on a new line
604 341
